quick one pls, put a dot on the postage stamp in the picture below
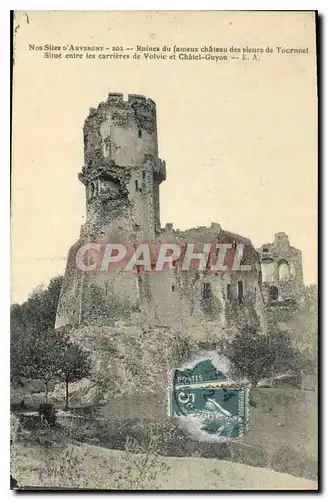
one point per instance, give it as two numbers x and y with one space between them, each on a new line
208 402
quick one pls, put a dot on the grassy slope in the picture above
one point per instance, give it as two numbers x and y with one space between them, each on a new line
93 464
282 434
284 417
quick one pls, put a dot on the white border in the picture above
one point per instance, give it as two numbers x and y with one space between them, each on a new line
321 6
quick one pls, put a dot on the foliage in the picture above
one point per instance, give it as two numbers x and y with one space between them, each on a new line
65 464
75 364
14 469
256 355
48 411
49 355
42 356
62 468
38 351
39 311
30 324
140 466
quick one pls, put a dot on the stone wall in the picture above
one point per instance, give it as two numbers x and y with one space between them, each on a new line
282 271
122 174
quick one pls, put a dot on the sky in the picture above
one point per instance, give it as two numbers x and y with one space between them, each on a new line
239 137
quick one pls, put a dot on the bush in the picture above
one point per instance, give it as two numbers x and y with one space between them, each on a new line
48 412
256 355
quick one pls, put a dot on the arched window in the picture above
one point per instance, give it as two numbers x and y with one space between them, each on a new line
283 270
273 292
268 270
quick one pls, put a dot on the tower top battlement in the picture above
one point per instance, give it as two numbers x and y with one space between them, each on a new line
132 98
136 112
117 99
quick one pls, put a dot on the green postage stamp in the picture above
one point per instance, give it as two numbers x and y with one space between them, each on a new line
207 402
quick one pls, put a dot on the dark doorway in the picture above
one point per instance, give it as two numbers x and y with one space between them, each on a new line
273 293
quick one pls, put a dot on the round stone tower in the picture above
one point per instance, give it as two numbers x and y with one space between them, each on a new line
121 174
122 171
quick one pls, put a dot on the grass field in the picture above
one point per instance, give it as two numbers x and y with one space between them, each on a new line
282 437
94 466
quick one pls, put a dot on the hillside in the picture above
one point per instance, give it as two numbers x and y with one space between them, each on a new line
95 467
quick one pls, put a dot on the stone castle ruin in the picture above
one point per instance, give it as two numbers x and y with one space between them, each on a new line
281 271
122 174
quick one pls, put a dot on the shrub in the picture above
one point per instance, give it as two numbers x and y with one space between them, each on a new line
48 412
256 355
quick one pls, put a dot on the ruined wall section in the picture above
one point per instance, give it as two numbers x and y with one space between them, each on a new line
281 271
70 298
228 302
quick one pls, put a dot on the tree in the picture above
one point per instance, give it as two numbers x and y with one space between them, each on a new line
75 365
38 312
38 351
49 302
45 356
31 323
21 361
255 355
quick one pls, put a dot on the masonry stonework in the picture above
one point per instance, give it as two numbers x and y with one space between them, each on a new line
281 271
122 174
